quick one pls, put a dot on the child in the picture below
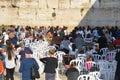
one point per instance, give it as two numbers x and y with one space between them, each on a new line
51 63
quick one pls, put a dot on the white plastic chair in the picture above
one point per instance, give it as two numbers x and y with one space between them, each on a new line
96 57
112 67
95 74
103 56
26 42
104 50
110 55
79 63
59 55
86 77
105 70
90 64
57 75
103 64
83 59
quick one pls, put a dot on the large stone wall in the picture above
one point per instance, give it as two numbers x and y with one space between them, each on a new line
68 12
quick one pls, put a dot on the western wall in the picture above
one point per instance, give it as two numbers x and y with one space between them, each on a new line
60 12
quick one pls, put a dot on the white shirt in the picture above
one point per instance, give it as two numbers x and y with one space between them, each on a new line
87 32
10 63
6 37
82 56
80 32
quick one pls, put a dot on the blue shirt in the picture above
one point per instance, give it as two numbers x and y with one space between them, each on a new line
25 68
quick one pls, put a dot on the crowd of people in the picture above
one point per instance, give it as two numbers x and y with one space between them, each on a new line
80 42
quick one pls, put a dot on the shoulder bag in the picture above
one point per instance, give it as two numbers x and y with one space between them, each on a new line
34 72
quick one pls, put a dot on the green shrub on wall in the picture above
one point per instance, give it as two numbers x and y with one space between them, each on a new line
2 6
53 14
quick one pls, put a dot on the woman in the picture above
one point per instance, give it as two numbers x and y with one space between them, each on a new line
56 39
72 73
10 63
72 48
64 44
117 41
111 47
88 39
102 41
49 36
81 54
51 63
26 65
117 73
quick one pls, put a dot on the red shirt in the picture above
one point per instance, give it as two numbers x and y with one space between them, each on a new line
117 42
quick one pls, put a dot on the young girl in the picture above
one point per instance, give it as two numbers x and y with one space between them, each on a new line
10 63
81 54
89 59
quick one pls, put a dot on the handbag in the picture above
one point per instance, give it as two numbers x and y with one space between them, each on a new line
34 72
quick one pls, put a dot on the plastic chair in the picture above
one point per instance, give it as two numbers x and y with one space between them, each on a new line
95 74
83 59
103 64
86 77
105 70
96 57
104 50
59 55
79 63
112 67
26 41
110 55
90 64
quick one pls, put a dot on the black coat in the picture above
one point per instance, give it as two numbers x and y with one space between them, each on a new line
117 73
72 74
102 42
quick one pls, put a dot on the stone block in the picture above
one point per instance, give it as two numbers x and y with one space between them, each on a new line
52 3
27 3
5 3
43 4
64 4
79 3
27 13
44 14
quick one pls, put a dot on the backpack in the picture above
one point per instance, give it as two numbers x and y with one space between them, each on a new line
1 66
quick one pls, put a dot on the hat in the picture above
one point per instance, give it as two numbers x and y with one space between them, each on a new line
4 32
12 30
28 50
